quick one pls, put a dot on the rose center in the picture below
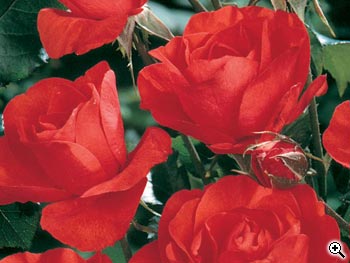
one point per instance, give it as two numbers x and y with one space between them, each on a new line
244 236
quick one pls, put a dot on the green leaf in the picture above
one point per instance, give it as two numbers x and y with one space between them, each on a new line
195 182
168 178
19 39
316 53
115 253
18 223
300 130
184 156
336 59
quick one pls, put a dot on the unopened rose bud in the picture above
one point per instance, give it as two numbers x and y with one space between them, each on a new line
279 163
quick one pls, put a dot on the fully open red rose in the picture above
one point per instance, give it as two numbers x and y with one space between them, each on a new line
236 221
87 24
59 255
64 143
279 163
336 138
233 72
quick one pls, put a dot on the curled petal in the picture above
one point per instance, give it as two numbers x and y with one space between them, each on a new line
317 88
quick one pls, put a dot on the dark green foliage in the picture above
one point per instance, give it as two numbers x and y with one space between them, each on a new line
18 224
19 39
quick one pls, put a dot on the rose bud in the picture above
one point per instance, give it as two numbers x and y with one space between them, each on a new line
279 163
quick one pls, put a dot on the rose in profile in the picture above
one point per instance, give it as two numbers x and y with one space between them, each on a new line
280 163
64 144
58 255
87 24
234 72
336 138
237 220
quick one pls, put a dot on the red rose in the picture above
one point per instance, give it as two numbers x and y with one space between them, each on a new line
64 143
281 163
234 72
336 138
87 24
58 255
236 220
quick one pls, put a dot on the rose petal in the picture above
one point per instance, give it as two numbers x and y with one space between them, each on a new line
88 126
69 165
147 254
267 89
181 227
25 110
22 180
213 22
330 231
100 9
336 138
165 107
178 51
288 31
104 82
244 190
155 85
292 249
63 33
216 89
92 223
111 117
317 88
154 148
173 206
284 110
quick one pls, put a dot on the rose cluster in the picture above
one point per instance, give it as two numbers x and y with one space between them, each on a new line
233 80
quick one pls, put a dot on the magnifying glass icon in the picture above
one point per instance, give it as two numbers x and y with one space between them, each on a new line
335 248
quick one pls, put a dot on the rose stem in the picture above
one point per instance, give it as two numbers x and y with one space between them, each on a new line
316 142
142 50
213 162
240 160
317 147
244 165
195 158
216 4
341 222
126 249
197 6
142 228
145 206
253 2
